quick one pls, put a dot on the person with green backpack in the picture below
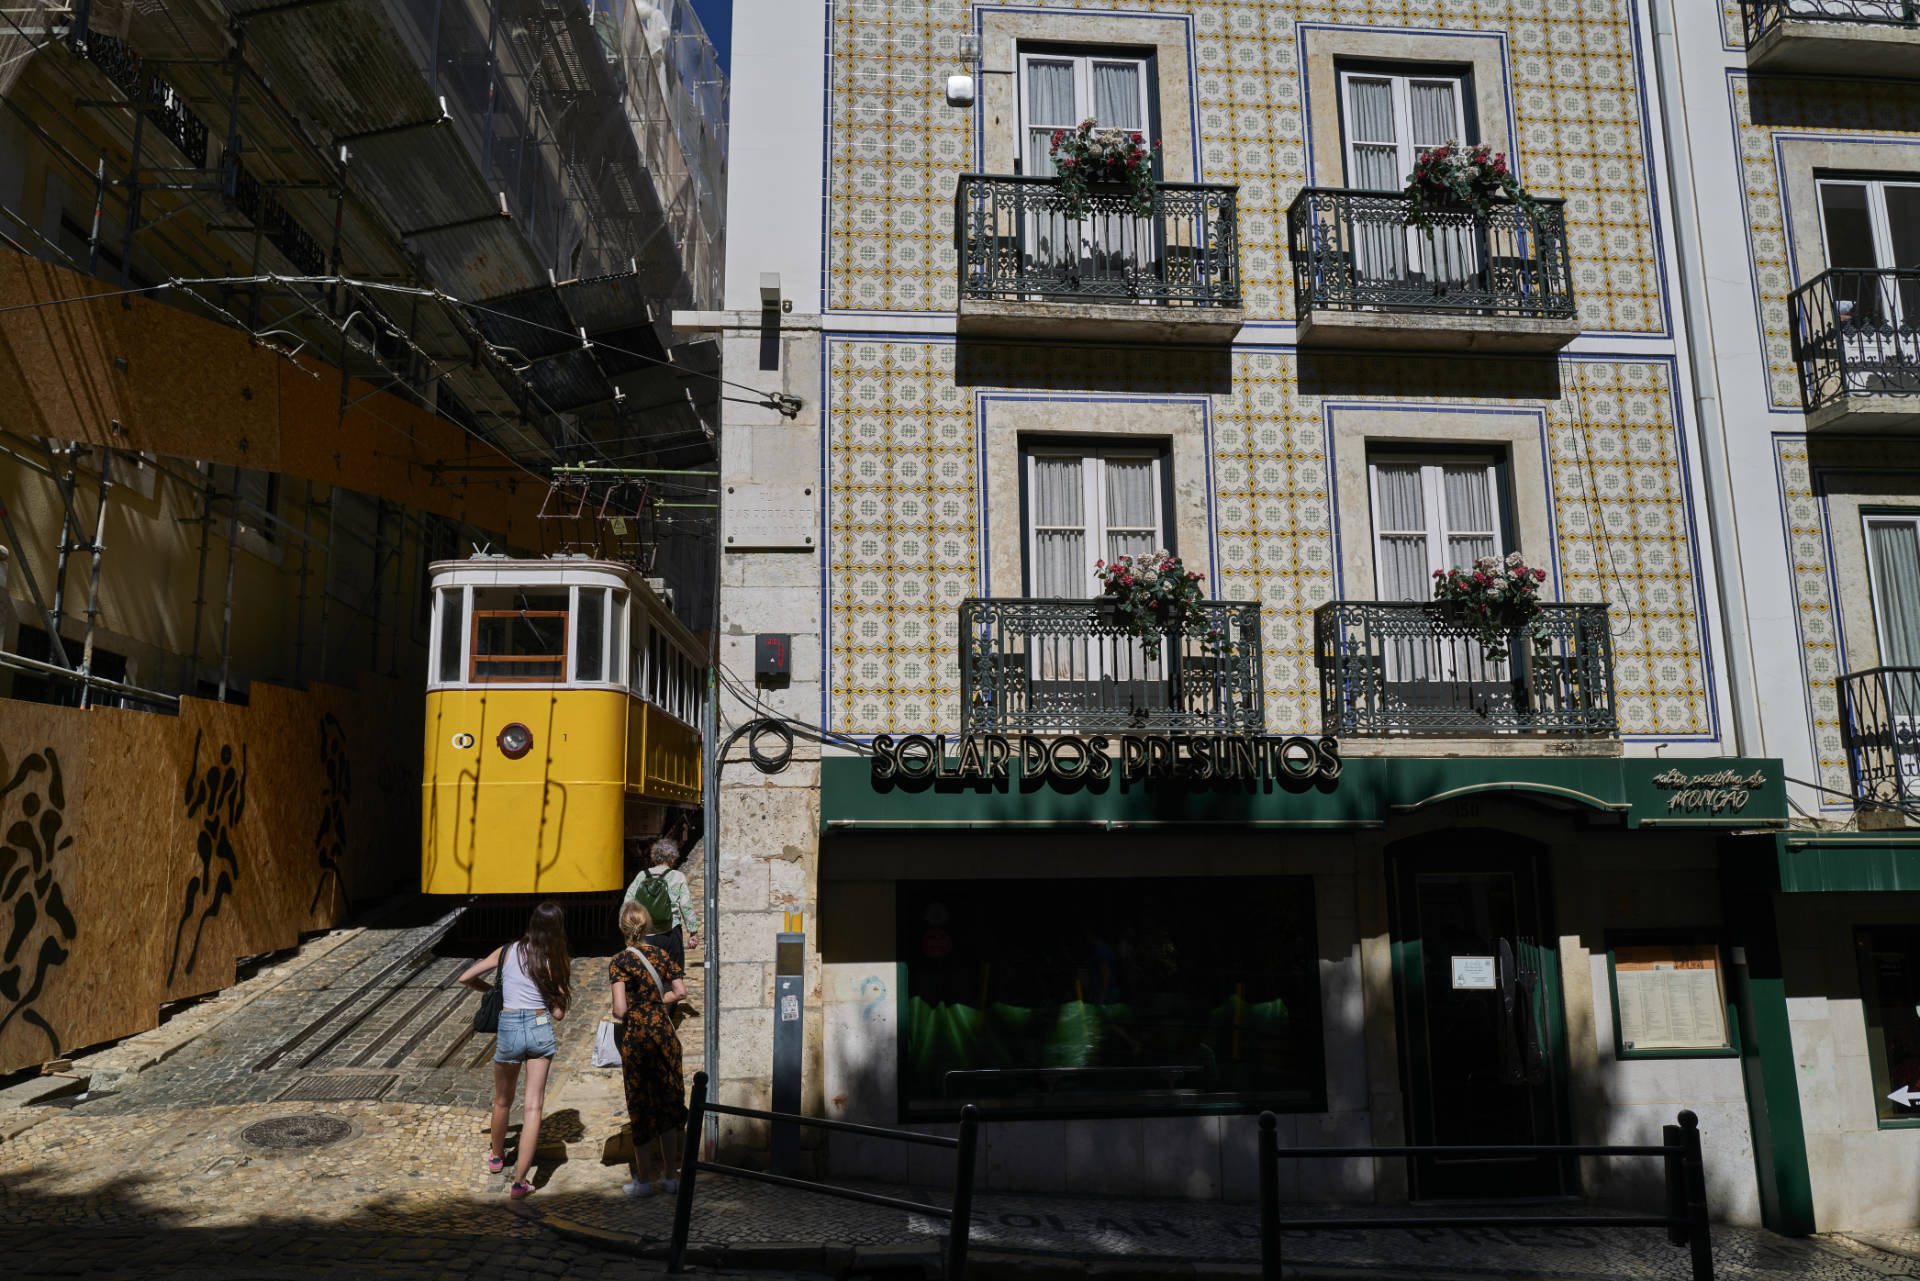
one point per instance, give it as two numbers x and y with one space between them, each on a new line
662 889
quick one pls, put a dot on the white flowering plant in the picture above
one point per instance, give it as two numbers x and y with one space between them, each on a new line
1455 176
1496 598
1155 595
1088 154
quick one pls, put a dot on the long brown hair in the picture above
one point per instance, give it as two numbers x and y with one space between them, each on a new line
543 953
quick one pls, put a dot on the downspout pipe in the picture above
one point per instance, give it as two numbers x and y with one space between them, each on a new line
1722 534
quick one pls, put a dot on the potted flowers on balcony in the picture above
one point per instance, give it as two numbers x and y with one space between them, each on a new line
1089 156
1455 177
1495 599
1153 595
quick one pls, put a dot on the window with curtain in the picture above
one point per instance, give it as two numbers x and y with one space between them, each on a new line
1087 506
1388 119
1431 513
1059 90
1893 561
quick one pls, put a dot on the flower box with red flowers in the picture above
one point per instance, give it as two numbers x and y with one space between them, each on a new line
1452 176
1154 595
1494 599
1087 155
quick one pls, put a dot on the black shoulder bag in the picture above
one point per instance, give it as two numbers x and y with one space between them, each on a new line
492 1001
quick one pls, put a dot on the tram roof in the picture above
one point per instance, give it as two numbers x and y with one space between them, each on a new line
557 571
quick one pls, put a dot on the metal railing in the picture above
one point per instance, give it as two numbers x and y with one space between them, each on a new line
1857 332
1881 720
1685 1175
1413 668
1762 16
1030 665
157 100
1354 250
959 1215
1015 241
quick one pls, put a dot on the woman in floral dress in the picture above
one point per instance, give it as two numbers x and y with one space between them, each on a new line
649 1051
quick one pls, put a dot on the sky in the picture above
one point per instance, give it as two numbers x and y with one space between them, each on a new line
717 17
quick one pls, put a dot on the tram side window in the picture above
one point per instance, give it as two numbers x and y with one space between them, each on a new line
519 636
589 648
616 637
453 629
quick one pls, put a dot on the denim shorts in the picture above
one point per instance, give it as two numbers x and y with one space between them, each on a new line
524 1034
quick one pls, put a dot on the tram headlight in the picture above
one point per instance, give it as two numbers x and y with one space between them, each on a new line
515 741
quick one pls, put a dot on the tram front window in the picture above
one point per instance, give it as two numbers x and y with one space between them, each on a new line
519 636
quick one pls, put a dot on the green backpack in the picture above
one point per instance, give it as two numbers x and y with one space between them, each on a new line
652 895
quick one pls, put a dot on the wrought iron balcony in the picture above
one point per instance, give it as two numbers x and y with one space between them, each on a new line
1881 711
1833 35
1856 338
1363 276
1412 668
1022 257
1031 666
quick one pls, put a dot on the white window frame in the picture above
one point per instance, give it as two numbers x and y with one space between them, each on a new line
1401 83
1877 217
1433 500
1083 63
1093 501
1874 572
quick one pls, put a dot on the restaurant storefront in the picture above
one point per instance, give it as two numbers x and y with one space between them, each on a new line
1120 949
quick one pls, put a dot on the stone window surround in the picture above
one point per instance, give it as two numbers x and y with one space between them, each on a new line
1802 160
1847 535
1180 424
1484 55
1356 431
1166 37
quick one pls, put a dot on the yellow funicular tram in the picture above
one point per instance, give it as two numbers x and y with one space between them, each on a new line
564 702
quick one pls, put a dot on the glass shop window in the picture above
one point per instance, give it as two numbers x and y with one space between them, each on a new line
1889 958
519 635
1109 997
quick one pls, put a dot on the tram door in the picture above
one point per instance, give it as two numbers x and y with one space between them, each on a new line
1478 995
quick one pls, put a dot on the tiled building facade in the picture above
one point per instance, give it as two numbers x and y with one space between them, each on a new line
1046 946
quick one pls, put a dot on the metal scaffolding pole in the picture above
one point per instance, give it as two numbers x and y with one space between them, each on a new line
33 586
93 582
306 577
325 594
69 534
192 682
226 605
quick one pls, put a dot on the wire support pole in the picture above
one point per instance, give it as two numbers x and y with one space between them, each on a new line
93 581
200 580
226 604
69 533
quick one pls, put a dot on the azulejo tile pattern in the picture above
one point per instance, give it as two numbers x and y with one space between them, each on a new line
1815 620
904 541
1764 107
895 149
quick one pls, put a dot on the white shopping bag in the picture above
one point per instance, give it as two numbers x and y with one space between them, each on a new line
606 1044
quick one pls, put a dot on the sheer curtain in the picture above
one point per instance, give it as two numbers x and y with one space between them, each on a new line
1376 151
1116 95
1060 534
1129 491
1451 254
1435 116
1049 107
1471 530
1895 546
1403 572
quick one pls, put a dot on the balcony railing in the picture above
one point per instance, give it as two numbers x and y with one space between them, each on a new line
1412 668
1856 332
1016 243
1354 250
1763 16
1882 725
1069 667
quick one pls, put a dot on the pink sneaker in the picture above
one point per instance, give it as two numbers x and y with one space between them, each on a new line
519 1189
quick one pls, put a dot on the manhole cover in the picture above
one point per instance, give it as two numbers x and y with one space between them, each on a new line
337 1087
284 1132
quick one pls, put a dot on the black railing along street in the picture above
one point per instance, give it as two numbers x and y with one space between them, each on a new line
1016 243
160 102
1030 665
1882 726
1685 1176
1763 16
1354 250
1857 332
959 1215
1412 667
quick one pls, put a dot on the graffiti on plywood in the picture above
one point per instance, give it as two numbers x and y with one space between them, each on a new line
39 927
330 843
216 800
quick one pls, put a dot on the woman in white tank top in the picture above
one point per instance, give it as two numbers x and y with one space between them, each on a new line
535 991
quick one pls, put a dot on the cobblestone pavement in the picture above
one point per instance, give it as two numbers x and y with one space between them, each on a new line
162 1169
728 1211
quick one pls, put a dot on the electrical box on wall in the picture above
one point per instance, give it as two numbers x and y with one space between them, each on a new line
769 518
772 658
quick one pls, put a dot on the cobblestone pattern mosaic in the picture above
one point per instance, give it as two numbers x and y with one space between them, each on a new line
1765 107
904 533
895 150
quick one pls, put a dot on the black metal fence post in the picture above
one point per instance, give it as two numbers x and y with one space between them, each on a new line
1269 1158
1698 1229
961 1223
689 1167
1674 1168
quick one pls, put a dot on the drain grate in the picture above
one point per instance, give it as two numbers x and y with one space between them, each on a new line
285 1132
337 1087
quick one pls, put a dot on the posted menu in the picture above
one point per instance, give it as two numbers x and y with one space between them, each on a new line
1670 996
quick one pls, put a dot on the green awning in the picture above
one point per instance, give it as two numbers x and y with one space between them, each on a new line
1849 862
